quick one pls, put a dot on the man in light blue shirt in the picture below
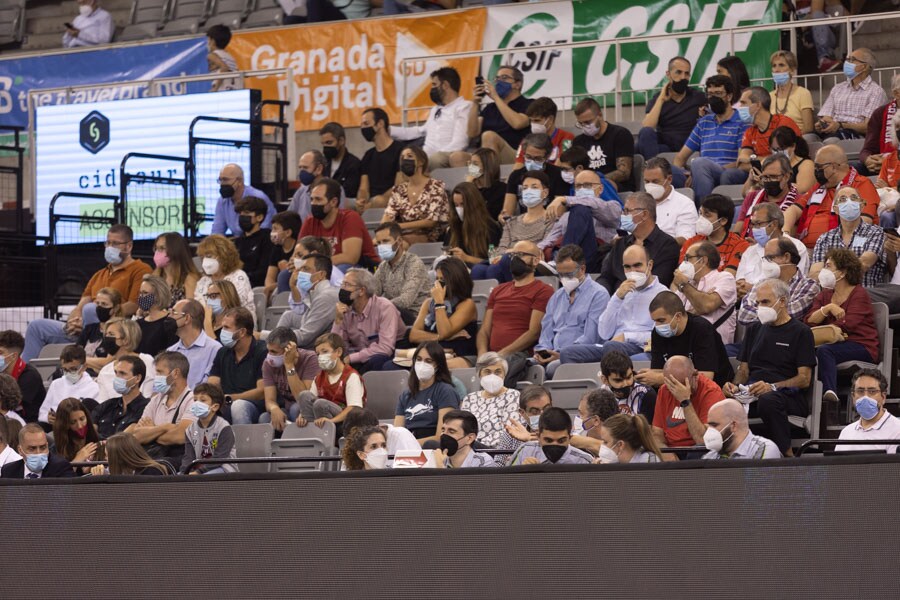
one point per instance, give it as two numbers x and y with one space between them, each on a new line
553 443
231 189
193 342
311 166
573 310
625 325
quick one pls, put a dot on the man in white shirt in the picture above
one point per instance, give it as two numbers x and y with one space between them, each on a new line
869 389
728 434
92 26
705 290
676 214
766 222
75 383
445 129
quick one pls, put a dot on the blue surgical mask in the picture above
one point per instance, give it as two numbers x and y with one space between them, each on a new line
3 363
849 210
584 194
36 462
760 235
227 338
199 409
304 281
531 197
665 330
626 223
867 407
120 385
112 255
215 305
781 78
850 69
533 165
503 88
386 251
744 114
161 384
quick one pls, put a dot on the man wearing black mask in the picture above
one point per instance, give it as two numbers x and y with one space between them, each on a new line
380 163
617 374
232 189
341 166
553 443
343 228
671 113
255 246
458 432
311 167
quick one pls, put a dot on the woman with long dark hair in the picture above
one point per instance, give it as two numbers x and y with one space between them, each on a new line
429 395
74 433
472 229
173 262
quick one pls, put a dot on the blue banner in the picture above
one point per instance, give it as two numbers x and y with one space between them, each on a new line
19 75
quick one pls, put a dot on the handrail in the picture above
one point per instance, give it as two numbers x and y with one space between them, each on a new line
55 218
185 182
821 442
293 459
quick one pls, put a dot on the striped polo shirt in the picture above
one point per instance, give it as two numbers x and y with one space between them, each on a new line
719 142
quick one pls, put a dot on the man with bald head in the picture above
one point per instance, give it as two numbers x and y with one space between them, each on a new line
813 213
311 166
232 188
683 404
512 321
728 434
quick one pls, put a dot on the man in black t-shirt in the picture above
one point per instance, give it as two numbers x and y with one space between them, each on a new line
285 231
679 333
776 362
671 113
536 149
610 147
380 164
116 414
255 246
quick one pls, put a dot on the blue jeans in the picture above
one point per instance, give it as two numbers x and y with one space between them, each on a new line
707 174
249 412
580 231
499 271
373 364
823 37
585 353
830 355
648 144
41 332
284 281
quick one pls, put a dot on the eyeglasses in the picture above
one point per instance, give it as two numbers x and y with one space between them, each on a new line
522 254
580 125
586 186
866 391
771 257
212 296
759 223
536 158
115 243
506 78
823 165
631 211
856 61
851 197
226 180
690 257
771 178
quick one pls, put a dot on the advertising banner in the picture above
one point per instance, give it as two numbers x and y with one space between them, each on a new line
19 75
344 67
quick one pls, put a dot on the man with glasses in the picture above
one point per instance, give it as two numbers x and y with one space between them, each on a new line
865 240
232 189
705 290
845 114
869 392
782 254
122 273
814 213
503 123
319 298
776 187
536 150
610 147
766 223
193 342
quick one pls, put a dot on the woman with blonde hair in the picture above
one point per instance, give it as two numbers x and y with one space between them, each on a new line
125 456
220 296
220 260
122 336
158 329
627 439
788 98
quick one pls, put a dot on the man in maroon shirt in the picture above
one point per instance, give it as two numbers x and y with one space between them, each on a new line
512 321
344 229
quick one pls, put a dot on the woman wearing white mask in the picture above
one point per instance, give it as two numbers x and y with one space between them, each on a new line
844 303
220 296
220 260
484 172
494 405
366 449
472 230
788 98
627 439
122 337
429 395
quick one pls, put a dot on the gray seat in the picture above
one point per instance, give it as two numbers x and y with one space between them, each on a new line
383 389
265 17
689 192
274 312
669 156
185 26
637 172
372 217
731 191
325 434
551 280
481 302
451 177
138 31
851 147
427 252
885 346
230 20
534 375
570 382
484 286
468 377
299 447
505 170
253 441
259 302
48 360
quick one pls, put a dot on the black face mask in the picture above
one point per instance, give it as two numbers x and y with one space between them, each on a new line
621 392
773 188
408 167
344 297
449 444
226 191
519 268
170 327
330 152
110 345
368 133
820 176
245 223
717 105
679 87
554 452
103 313
435 95
318 211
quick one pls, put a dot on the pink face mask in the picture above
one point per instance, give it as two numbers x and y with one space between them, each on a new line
160 259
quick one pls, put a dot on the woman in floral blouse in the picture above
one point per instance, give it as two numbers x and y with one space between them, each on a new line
419 205
495 404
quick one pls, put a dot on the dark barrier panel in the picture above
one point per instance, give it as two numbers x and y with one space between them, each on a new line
812 528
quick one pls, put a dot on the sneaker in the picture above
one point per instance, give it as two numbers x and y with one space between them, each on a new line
828 64
830 396
857 25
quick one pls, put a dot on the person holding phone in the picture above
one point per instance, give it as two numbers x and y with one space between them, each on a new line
671 113
92 26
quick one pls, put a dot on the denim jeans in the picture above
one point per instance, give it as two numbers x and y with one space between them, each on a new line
823 37
585 353
830 355
499 271
248 412
707 174
648 144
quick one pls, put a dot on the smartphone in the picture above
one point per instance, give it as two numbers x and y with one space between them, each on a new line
68 26
544 353
754 162
479 80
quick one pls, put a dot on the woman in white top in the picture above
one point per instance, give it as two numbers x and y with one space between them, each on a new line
220 260
627 439
495 404
9 438
120 338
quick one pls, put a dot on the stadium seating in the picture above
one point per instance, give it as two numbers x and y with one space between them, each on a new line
12 21
383 389
570 382
147 17
253 441
185 17
428 252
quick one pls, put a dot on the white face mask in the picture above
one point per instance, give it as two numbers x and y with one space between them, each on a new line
459 212
766 315
687 269
474 171
85 10
73 378
538 127
210 266
424 371
492 384
770 270
607 455
704 226
570 284
655 190
827 279
377 458
637 277
713 439
298 263
568 177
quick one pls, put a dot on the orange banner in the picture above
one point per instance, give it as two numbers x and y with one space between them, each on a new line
345 67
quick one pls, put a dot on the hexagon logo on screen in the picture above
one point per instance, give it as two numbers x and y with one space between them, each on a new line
94 132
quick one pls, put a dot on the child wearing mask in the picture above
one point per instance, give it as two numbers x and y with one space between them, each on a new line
74 383
210 436
336 389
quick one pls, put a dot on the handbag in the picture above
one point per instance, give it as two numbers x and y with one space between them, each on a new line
828 334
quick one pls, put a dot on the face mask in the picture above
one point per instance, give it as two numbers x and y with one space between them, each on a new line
112 255
531 197
770 270
37 462
199 409
503 88
318 212
781 78
227 338
637 277
772 188
275 361
626 223
607 455
146 302
849 210
330 152
665 330
449 444
121 386
377 458
687 269
744 114
534 422
345 297
215 305
408 167
679 87
621 393
368 133
821 178
554 452
655 190
298 263
590 129
760 235
160 259
304 281
226 191
850 69
474 171
717 105
161 384
568 177
110 344
424 371
85 10
584 194
386 251
460 211
326 363
570 284
492 384
538 128
210 266
519 268
103 313
73 378
827 279
81 431
305 177
704 227
276 239
435 95
245 222
766 315
867 408
713 439
533 165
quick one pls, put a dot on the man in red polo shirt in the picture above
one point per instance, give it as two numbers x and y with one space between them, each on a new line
351 244
812 214
755 110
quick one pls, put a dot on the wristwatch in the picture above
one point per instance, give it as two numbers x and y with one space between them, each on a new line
291 372
774 387
685 403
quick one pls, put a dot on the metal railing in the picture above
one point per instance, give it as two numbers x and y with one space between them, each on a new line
102 221
833 442
126 179
15 174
